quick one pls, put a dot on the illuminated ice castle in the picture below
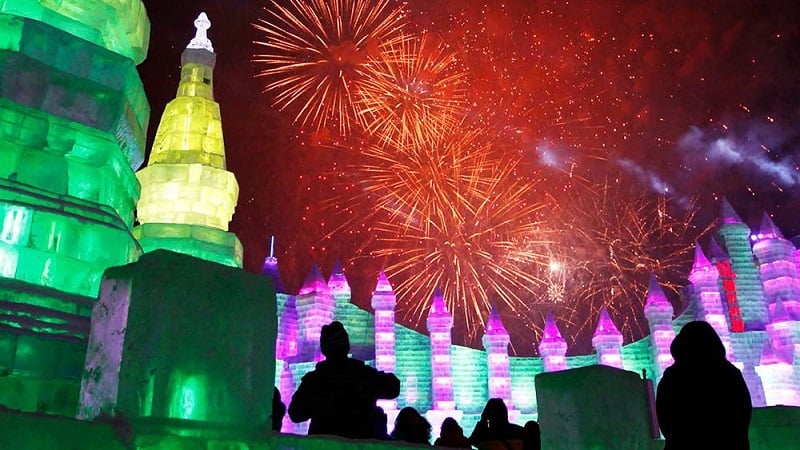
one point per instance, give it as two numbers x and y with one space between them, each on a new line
747 285
151 333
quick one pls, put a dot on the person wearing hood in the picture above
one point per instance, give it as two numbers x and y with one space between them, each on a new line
702 401
340 394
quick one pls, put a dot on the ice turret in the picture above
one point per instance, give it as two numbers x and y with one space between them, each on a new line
607 341
735 236
707 298
658 311
188 196
384 302
553 347
440 324
778 269
315 307
495 342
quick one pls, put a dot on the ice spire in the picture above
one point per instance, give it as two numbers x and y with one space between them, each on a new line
768 230
200 39
270 267
727 214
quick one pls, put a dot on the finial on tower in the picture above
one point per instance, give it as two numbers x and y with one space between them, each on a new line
201 40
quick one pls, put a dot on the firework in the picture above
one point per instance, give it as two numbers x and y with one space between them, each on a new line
454 215
315 50
413 91
612 241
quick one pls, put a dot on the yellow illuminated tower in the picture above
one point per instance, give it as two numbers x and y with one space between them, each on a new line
188 197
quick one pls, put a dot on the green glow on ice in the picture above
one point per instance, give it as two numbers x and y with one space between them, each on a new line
119 26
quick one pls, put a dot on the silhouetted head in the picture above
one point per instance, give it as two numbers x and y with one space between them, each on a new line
451 428
533 436
333 340
495 411
697 342
410 426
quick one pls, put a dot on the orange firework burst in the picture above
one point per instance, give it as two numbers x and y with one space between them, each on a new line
454 214
413 90
612 241
316 49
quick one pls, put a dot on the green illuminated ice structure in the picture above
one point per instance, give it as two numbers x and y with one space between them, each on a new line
188 197
73 118
183 344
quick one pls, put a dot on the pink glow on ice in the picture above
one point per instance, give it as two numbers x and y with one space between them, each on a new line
337 283
494 325
727 213
383 284
314 282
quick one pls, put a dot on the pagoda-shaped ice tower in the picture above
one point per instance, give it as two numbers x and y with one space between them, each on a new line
188 196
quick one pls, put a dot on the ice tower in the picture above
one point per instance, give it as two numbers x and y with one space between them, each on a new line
658 311
440 325
704 278
553 347
188 196
315 307
73 118
735 236
383 302
182 339
607 341
495 342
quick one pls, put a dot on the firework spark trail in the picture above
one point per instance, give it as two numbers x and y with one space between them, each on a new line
622 242
315 50
413 90
454 215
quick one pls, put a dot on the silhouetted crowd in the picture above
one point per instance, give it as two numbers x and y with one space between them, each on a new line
702 401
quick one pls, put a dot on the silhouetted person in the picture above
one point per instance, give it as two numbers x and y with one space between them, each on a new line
494 431
533 436
702 401
452 435
339 395
410 426
381 424
278 410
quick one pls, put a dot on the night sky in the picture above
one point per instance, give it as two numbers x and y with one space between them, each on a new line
615 113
